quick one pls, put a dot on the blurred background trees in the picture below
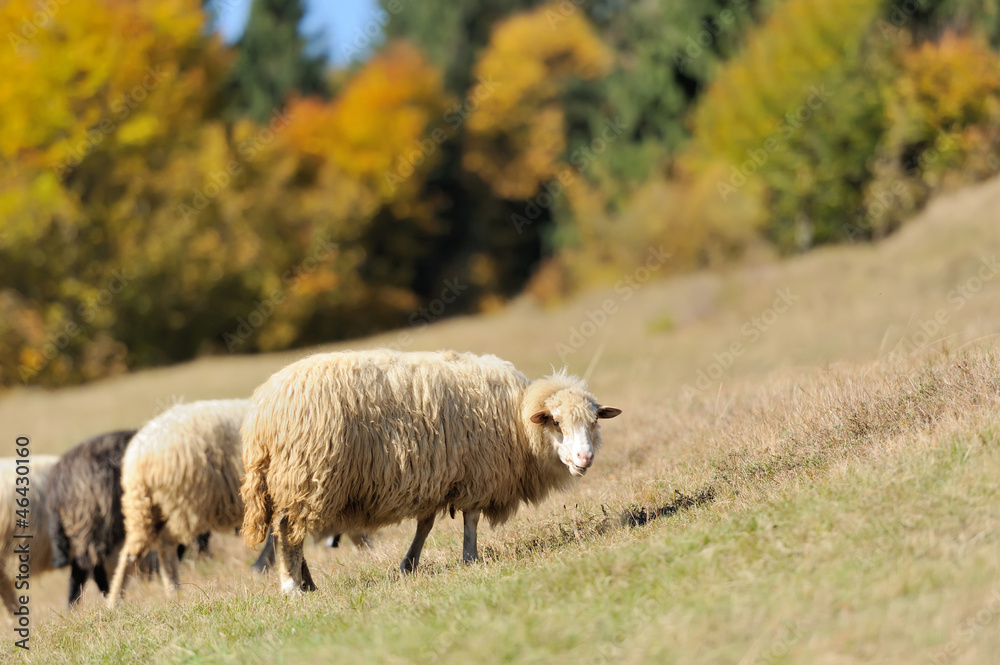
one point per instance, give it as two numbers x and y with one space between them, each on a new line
163 195
272 61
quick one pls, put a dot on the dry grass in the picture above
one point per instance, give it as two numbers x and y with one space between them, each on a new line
824 501
794 483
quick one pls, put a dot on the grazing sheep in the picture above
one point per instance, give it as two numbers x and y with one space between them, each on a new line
84 510
359 440
84 506
180 477
39 546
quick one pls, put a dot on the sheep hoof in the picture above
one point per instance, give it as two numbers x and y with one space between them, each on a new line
407 567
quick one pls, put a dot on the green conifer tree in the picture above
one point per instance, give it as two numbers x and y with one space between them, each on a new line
273 59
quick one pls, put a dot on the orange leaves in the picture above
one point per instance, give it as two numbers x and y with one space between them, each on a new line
517 133
378 119
953 81
943 111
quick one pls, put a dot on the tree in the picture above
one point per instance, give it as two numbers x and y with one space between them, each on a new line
272 61
451 32
799 112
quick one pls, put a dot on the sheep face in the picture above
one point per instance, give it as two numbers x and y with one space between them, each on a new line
570 423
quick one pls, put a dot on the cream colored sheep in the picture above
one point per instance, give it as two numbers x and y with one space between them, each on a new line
39 546
355 441
180 477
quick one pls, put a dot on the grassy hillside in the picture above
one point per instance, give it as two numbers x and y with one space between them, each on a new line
811 496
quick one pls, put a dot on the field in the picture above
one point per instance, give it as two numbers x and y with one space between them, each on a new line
804 472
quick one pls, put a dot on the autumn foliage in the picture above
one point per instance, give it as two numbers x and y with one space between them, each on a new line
516 136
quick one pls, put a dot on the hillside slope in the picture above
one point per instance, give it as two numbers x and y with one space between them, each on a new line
819 499
845 303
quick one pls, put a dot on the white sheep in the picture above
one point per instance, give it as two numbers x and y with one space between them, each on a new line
355 441
39 546
180 478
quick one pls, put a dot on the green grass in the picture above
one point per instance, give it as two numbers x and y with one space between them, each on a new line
886 562
809 510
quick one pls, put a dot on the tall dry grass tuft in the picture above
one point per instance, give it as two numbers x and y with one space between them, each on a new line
769 435
808 423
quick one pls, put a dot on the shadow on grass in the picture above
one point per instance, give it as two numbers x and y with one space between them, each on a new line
635 516
587 526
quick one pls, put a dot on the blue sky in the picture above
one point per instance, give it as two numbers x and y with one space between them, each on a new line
341 21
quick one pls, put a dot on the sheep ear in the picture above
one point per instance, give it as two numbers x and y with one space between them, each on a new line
607 412
540 417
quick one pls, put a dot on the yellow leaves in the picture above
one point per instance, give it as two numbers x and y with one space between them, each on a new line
943 109
530 54
139 130
683 217
784 59
378 121
517 132
82 67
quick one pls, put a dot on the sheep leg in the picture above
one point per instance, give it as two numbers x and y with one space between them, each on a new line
7 592
361 539
101 578
119 579
307 580
470 549
266 559
202 541
412 557
290 562
77 578
169 568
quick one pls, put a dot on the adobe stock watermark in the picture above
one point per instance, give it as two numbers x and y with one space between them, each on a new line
901 13
750 332
625 288
263 309
783 129
967 630
121 109
371 33
580 159
429 313
32 25
778 647
57 342
694 47
558 14
866 218
426 146
247 149
928 330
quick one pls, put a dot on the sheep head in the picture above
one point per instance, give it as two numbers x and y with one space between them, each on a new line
569 421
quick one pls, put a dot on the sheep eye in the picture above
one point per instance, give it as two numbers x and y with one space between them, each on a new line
556 423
